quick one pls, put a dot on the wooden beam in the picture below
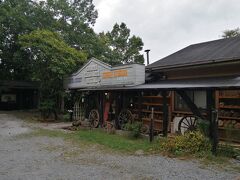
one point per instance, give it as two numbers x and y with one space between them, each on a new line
209 110
87 106
151 128
101 108
190 103
117 104
123 100
72 102
212 118
165 113
139 106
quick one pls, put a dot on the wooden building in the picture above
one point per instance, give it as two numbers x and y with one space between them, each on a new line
185 86
213 65
18 95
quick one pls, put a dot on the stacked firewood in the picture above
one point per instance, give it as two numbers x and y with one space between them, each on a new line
229 123
232 113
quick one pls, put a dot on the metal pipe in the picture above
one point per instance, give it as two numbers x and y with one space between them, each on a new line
147 52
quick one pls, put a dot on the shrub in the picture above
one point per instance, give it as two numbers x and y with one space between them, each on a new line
190 142
46 108
203 126
66 116
227 150
134 129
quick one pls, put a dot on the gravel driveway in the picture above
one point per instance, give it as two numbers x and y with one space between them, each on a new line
33 158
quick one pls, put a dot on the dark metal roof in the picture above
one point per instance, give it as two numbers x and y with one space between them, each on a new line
19 84
203 83
202 53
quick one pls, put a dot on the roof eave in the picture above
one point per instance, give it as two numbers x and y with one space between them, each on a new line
168 67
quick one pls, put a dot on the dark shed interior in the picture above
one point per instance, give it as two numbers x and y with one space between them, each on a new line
18 95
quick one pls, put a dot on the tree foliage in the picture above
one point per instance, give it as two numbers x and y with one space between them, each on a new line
48 50
231 33
14 20
51 59
71 19
46 39
123 47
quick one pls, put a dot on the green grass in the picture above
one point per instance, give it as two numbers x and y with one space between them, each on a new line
116 142
111 141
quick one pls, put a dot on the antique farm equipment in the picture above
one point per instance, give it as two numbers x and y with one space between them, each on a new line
94 118
187 123
124 117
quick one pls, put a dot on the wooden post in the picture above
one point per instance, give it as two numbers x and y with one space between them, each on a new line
117 103
165 113
87 107
72 101
212 118
101 108
215 132
118 96
151 129
123 100
139 106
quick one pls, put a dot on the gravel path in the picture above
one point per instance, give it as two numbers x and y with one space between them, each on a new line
33 158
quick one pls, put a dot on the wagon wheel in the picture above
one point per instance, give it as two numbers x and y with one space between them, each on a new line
94 118
109 126
145 129
188 123
124 117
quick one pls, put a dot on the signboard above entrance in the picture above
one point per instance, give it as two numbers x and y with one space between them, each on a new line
115 73
97 74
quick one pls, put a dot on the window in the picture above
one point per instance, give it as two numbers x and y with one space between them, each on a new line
8 98
198 97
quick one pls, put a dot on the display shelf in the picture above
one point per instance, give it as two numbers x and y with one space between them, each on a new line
155 120
228 104
155 97
229 107
229 97
229 139
227 134
186 113
182 112
152 104
227 117
230 129
148 111
147 101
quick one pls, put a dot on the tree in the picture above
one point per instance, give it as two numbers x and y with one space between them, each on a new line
51 59
123 48
45 40
73 19
71 11
231 33
14 20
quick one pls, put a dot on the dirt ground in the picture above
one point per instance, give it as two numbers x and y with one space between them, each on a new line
33 157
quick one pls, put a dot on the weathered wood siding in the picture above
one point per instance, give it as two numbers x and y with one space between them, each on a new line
98 74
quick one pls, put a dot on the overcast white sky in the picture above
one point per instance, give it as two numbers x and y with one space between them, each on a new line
169 25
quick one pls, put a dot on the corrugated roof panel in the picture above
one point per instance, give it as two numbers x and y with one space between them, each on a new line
207 52
204 83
